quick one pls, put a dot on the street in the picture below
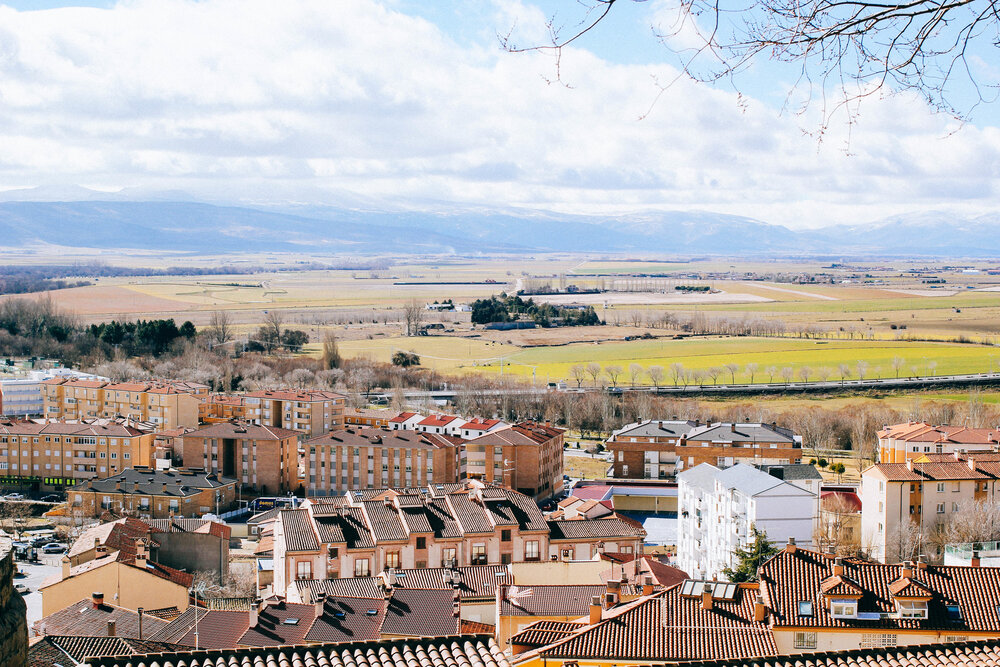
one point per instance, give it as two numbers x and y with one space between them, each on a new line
34 575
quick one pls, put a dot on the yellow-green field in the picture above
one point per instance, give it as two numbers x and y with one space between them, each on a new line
551 363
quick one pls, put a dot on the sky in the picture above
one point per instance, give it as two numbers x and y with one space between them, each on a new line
413 103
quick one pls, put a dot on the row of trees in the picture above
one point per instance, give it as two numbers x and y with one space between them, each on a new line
751 373
508 308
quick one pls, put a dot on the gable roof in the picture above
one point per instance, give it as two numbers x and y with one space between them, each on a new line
555 600
83 619
788 578
243 431
421 612
298 531
55 649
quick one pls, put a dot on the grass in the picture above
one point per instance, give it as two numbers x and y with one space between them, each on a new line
581 467
554 363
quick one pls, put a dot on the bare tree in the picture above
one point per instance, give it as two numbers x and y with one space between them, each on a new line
677 372
274 322
906 541
578 373
613 372
804 373
656 375
932 367
714 372
862 368
732 368
787 373
594 371
635 372
840 526
413 315
897 365
219 329
845 53
770 370
823 373
845 372
751 370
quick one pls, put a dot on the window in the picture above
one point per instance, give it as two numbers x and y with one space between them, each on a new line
954 613
940 508
940 487
954 507
421 542
479 554
303 569
448 555
361 568
505 535
392 559
844 608
805 640
873 640
805 608
911 608
531 550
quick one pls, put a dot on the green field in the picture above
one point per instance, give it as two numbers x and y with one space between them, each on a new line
552 363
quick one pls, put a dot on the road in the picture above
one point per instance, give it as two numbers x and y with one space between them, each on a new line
34 575
829 386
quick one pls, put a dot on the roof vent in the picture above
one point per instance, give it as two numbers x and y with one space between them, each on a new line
372 612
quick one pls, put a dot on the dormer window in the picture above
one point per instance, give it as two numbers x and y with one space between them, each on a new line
954 613
912 608
844 608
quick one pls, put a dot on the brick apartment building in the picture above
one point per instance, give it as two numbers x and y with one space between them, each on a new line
168 405
59 454
265 457
154 494
364 458
312 412
526 457
655 449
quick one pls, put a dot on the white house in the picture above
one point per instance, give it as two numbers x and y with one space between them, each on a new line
718 507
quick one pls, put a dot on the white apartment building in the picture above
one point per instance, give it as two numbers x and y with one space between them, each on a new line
718 507
21 392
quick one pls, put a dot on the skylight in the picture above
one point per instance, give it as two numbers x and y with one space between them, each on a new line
805 608
291 621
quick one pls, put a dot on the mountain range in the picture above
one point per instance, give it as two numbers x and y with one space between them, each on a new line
81 218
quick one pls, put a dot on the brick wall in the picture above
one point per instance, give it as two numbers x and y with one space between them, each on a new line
13 613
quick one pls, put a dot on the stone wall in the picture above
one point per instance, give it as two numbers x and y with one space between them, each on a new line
13 613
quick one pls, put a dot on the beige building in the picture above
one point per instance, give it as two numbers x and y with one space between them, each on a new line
312 412
265 457
911 440
366 458
168 405
920 495
527 457
63 453
126 577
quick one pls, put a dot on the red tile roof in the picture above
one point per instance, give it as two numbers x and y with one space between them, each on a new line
82 618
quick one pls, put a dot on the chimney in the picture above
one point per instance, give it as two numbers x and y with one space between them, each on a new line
907 571
790 547
66 567
320 602
838 567
706 597
97 599
595 609
140 554
140 623
909 464
972 463
732 427
759 610
921 562
647 585
254 610
111 628
974 562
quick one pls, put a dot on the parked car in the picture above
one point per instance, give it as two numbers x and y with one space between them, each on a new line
54 548
22 589
42 541
14 496
52 498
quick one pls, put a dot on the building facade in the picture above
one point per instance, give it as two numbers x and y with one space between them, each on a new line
657 449
265 457
720 507
311 412
168 405
367 458
527 457
58 454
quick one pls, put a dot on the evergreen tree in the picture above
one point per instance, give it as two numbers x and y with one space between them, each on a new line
751 557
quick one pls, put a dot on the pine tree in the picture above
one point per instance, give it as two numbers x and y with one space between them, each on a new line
751 557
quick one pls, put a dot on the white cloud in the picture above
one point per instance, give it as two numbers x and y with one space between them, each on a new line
271 98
